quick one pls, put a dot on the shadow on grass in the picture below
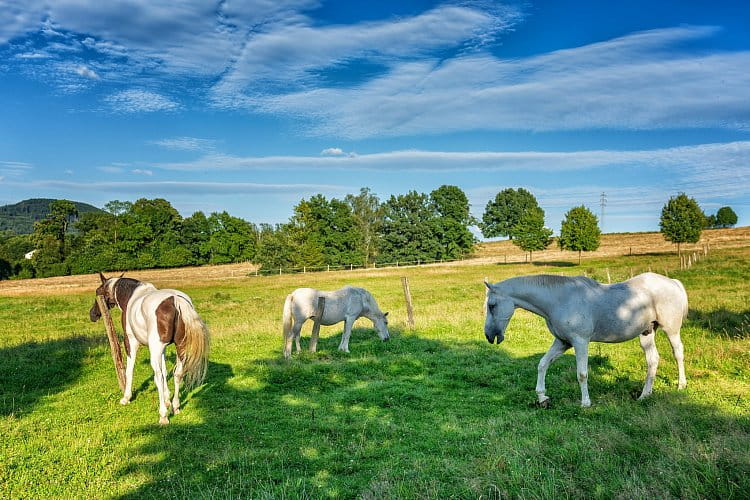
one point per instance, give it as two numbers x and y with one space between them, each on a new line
31 371
723 322
417 417
553 263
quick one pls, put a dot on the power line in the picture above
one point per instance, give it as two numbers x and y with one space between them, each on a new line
603 203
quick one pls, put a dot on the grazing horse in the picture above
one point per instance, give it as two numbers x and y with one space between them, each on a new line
157 318
346 304
579 310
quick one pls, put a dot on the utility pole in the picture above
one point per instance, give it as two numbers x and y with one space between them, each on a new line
602 203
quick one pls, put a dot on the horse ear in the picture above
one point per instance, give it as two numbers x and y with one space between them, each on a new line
123 274
487 284
385 314
101 276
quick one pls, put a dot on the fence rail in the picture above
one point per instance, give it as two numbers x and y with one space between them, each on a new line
347 267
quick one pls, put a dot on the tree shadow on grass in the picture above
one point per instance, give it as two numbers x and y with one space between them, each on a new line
722 322
553 263
420 417
33 370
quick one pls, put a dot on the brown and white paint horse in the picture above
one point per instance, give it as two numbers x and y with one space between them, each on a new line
157 318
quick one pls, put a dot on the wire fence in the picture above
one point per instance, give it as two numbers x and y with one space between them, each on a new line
348 267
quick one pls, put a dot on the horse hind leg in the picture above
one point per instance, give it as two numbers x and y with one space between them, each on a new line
156 360
178 374
648 344
673 334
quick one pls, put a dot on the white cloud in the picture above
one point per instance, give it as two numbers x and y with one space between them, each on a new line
179 187
69 171
15 168
142 171
640 81
332 152
185 144
86 72
140 101
111 169
288 53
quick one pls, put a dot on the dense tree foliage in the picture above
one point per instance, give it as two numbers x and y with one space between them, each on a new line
682 220
358 230
19 217
726 217
530 233
503 214
579 231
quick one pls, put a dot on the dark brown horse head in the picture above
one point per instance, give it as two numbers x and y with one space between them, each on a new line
115 293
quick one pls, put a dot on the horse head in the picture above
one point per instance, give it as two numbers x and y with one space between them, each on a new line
499 311
105 291
380 321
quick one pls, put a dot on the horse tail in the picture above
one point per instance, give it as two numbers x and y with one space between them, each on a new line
195 345
287 318
684 296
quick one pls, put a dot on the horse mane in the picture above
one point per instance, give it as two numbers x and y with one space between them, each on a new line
554 280
124 288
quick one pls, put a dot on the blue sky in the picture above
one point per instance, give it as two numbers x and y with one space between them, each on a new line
248 106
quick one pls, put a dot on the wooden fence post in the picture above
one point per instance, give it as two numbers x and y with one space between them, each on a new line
609 279
319 310
407 296
114 343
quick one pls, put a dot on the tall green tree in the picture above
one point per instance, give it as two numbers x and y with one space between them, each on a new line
231 239
682 220
50 239
580 231
726 217
453 220
504 212
409 229
368 219
274 248
530 233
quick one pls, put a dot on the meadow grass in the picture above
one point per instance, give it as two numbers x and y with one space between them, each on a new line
435 412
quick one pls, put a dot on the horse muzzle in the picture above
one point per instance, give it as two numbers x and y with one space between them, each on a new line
494 338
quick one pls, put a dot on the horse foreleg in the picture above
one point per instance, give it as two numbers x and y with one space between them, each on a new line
555 351
132 349
178 373
344 345
674 339
156 351
582 367
648 343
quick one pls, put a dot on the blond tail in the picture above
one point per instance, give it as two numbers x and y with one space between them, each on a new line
196 344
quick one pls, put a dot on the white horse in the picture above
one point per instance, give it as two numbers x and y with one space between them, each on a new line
346 304
579 310
157 318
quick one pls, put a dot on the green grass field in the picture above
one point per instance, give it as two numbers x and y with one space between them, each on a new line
436 412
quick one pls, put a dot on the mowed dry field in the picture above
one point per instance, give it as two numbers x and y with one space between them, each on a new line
436 412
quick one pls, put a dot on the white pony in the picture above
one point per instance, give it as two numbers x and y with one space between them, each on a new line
346 304
157 318
579 310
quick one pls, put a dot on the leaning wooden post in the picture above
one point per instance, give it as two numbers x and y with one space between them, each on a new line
316 325
114 343
407 296
609 279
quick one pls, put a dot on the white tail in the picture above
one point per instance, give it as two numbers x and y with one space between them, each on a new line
287 318
196 345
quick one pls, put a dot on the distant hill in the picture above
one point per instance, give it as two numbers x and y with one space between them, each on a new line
20 217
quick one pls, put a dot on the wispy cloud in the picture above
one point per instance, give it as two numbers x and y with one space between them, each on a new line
15 168
640 81
289 53
179 187
142 171
140 101
332 152
186 144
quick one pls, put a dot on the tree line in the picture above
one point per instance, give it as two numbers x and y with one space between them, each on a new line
359 230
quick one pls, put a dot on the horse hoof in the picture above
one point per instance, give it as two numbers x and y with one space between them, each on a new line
544 404
124 401
177 410
586 404
682 386
163 421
